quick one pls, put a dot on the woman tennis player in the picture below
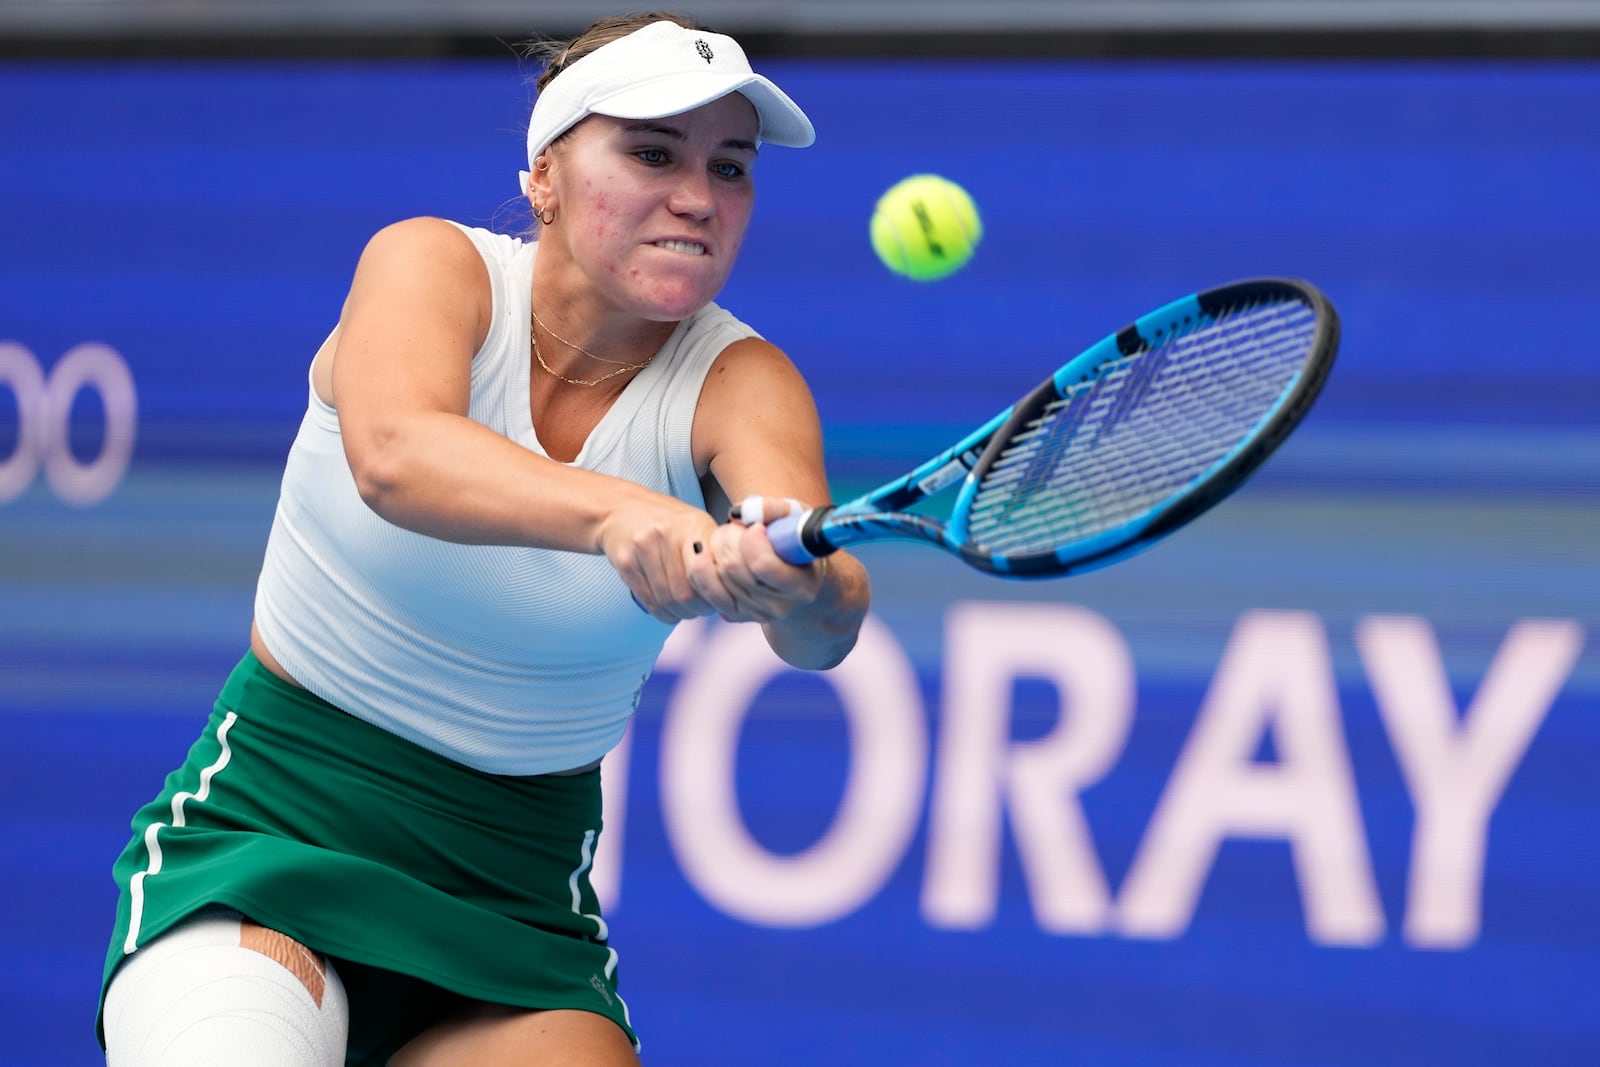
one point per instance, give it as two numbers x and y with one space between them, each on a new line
378 850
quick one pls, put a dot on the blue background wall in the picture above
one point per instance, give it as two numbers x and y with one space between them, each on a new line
202 219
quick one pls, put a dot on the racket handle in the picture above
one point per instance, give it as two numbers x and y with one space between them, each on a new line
784 534
796 535
798 539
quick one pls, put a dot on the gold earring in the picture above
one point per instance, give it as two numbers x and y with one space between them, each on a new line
540 213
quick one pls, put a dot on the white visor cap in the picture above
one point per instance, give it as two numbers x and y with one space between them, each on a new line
660 70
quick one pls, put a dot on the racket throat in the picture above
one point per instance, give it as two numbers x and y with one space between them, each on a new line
812 538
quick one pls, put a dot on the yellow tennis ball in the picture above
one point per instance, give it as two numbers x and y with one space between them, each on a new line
925 227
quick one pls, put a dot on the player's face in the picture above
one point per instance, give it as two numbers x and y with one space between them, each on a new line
654 211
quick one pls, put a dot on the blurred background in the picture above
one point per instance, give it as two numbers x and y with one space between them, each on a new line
1312 783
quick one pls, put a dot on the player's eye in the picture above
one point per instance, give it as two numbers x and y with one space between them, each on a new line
653 156
731 171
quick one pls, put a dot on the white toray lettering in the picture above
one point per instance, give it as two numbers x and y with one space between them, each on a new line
1275 679
1084 658
1457 768
877 815
1275 676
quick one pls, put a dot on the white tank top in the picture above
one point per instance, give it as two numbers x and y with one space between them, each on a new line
510 660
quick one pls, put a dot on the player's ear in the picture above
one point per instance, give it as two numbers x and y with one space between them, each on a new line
539 186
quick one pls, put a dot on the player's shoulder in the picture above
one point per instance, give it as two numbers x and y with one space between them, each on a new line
425 265
732 336
421 234
750 368
755 352
425 246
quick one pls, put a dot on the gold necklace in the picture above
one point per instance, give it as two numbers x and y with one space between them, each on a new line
623 369
533 333
579 348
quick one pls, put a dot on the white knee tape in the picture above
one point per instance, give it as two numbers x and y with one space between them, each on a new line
195 997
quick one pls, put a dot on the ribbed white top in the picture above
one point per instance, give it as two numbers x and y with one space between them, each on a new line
510 660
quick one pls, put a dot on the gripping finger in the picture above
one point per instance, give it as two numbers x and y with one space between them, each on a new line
760 510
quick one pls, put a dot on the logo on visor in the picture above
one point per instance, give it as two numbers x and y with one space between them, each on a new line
704 50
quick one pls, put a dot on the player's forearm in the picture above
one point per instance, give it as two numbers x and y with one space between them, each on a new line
820 634
448 477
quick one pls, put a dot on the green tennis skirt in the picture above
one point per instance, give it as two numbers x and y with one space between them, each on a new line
428 883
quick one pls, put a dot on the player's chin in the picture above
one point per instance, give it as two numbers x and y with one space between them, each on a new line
679 293
676 309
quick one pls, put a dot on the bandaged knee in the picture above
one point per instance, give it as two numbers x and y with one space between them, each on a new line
197 997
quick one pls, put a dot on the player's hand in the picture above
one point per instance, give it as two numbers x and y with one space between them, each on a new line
655 545
745 578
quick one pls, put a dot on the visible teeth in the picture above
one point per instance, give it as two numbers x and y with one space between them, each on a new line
686 247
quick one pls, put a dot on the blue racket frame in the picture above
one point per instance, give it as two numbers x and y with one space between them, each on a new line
882 515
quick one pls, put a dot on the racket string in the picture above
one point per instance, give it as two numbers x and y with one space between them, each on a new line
1140 431
1207 413
1155 468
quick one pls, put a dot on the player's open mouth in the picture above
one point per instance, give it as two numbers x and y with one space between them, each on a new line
688 248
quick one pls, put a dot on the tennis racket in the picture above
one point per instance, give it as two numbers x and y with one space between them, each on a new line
1120 447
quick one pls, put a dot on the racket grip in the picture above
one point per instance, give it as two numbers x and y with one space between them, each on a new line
784 534
798 539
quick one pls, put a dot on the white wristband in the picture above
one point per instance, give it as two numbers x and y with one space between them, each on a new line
758 511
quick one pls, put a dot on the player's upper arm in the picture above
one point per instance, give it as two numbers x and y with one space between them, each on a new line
418 310
756 428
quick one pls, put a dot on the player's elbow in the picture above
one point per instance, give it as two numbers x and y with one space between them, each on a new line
830 656
813 651
379 468
820 639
